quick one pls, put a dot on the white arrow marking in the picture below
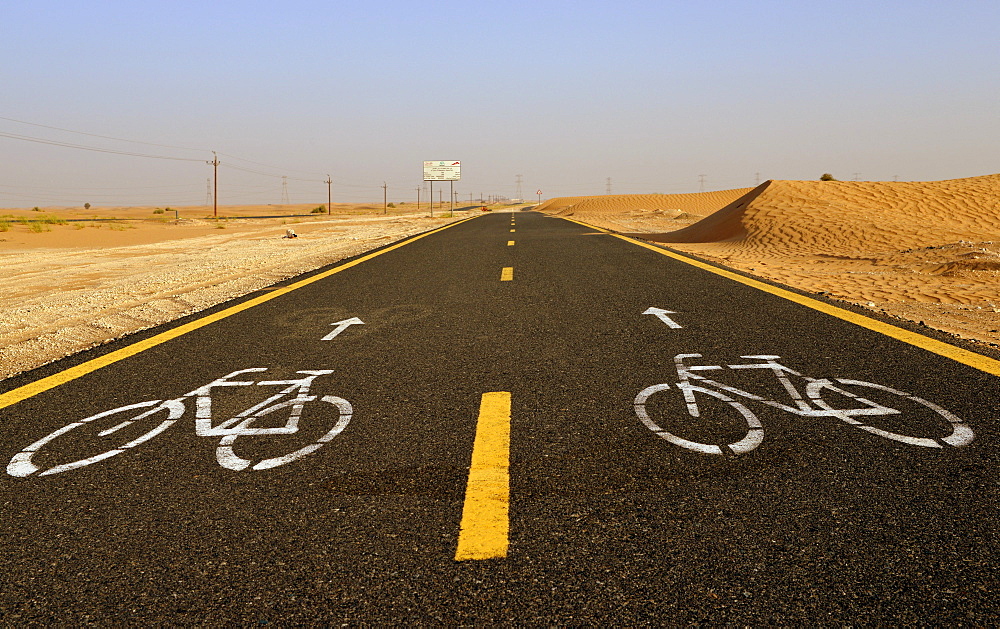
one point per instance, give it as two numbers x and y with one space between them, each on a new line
662 316
341 326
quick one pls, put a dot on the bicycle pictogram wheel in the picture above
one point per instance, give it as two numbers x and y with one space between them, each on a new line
753 437
24 464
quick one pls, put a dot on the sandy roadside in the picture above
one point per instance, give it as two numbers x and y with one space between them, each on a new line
77 285
925 252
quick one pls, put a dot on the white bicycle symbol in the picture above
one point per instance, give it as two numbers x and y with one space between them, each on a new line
952 431
294 397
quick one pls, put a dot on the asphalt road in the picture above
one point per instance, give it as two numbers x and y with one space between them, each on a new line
609 522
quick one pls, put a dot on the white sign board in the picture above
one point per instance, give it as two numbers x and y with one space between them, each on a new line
442 171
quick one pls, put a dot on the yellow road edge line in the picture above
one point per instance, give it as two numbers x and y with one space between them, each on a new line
485 528
958 354
50 382
507 274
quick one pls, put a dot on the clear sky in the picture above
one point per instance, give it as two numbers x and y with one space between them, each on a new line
564 93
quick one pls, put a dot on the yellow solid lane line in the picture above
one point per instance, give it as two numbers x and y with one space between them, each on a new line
21 393
964 356
507 274
486 513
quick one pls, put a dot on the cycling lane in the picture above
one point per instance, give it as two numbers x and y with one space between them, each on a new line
608 520
163 531
822 520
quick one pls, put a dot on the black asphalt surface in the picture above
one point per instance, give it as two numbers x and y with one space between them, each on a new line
609 523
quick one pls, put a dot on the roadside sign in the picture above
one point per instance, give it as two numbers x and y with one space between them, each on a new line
442 171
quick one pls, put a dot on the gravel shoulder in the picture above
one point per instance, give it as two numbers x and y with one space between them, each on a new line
58 301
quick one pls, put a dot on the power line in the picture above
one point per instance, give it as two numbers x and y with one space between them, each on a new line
263 174
310 172
27 138
133 153
105 137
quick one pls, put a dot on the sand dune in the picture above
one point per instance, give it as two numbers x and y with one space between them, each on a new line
636 211
924 251
810 217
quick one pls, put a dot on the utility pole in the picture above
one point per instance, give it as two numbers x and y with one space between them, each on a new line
895 178
385 198
607 188
856 175
519 194
418 198
215 175
208 191
757 182
701 180
329 195
284 190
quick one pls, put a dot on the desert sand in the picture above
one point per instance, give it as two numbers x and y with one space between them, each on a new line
926 252
71 285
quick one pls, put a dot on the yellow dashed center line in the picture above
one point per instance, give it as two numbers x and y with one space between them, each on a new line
507 274
510 243
512 231
486 513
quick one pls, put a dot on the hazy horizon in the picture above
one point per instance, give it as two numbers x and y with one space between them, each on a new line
656 96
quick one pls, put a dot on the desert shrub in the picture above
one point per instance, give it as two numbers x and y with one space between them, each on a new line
391 205
4 226
37 227
157 211
53 220
86 206
319 209
35 209
827 177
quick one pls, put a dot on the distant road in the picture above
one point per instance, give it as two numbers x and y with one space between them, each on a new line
511 419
